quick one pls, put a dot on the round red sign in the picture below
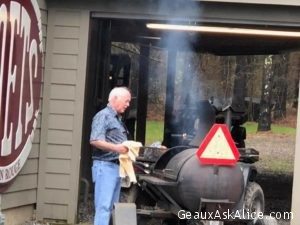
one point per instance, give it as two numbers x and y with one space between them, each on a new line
20 83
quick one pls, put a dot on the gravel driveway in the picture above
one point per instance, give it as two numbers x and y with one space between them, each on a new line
275 170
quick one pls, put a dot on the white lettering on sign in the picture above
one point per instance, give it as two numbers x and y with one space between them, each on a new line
20 83
3 25
20 27
7 173
11 80
29 106
10 171
25 31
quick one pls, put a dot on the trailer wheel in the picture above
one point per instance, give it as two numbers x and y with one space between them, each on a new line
267 220
254 201
170 222
141 220
181 222
129 195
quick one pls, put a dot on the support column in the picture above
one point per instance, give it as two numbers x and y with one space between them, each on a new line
142 96
169 105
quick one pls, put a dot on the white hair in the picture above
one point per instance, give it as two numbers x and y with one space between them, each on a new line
117 91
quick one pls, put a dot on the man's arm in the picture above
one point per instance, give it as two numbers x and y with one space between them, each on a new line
107 146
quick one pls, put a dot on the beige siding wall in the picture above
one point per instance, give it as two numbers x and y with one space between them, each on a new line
296 181
65 69
23 191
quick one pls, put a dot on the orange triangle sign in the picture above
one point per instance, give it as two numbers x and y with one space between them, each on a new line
218 147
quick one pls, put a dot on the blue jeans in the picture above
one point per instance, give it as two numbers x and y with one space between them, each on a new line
107 189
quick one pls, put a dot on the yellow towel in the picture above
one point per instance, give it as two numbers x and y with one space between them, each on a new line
126 167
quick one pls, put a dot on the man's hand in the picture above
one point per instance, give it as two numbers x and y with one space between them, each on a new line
122 149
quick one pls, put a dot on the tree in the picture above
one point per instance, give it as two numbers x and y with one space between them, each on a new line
264 121
280 85
254 73
296 82
243 68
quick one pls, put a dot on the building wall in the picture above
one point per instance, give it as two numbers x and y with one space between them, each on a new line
50 177
268 2
60 149
296 180
65 71
18 201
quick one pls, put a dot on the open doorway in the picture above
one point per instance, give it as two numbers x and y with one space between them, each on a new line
122 53
119 60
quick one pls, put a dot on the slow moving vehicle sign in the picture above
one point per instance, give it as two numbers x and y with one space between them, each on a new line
20 83
218 147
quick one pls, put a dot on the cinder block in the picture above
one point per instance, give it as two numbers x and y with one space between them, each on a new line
124 213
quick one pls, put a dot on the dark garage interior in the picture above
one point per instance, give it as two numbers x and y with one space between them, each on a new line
114 62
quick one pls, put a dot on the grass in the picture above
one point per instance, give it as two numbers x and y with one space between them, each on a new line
155 130
278 166
251 128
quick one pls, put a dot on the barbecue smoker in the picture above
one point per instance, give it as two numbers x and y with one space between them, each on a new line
176 188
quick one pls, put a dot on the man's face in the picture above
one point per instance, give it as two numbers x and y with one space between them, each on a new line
122 102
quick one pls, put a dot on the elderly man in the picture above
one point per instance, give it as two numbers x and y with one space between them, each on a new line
107 136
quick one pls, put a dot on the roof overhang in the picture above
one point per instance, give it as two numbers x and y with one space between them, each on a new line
129 19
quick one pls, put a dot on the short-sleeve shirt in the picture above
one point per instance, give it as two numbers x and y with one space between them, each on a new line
107 126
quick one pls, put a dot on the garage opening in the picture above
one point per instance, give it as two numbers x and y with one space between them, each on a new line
173 76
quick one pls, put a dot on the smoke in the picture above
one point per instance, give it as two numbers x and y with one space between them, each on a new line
183 61
185 94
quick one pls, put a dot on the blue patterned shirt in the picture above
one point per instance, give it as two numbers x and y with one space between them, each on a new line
107 126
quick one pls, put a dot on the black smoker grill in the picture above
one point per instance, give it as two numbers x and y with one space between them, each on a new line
170 180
